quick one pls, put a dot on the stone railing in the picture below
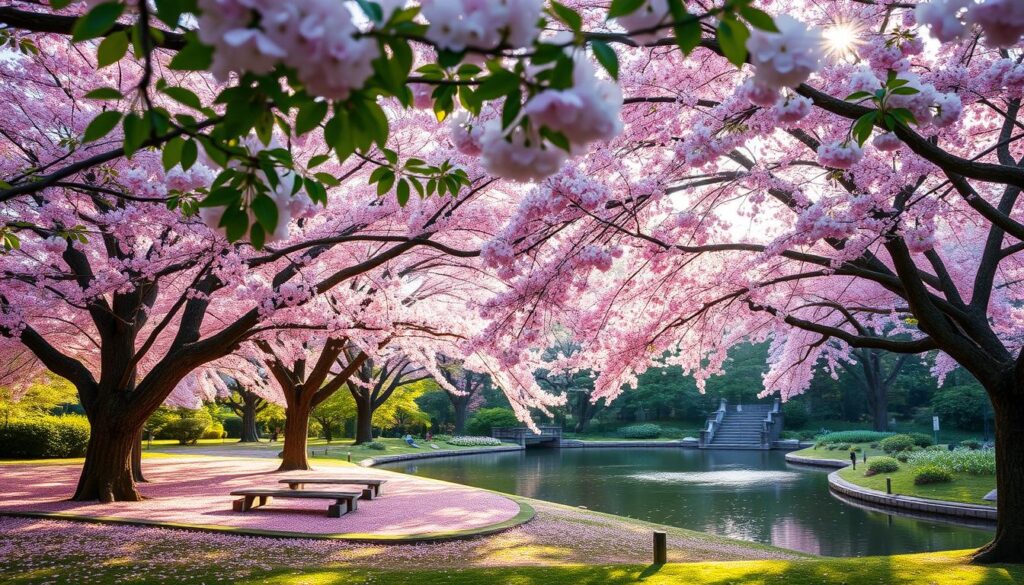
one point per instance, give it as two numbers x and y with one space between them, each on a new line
714 421
771 427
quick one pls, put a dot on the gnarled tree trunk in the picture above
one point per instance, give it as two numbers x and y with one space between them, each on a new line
107 473
1008 544
461 406
296 432
364 420
137 459
250 434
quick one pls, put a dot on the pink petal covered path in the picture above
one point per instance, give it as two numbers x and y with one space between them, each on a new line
195 491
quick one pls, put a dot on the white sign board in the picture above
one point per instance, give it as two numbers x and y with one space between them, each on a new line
935 423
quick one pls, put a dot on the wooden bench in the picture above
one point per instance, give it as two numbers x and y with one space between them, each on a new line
344 502
371 491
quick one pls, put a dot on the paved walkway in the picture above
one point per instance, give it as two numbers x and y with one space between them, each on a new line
195 491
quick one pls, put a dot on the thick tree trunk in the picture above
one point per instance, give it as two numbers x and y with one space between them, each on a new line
107 472
296 431
250 434
585 411
364 421
461 410
137 460
880 408
1008 544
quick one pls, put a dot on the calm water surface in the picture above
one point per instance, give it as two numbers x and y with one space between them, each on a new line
752 495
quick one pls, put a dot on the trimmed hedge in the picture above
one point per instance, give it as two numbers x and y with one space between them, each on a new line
45 437
852 437
922 439
641 431
187 431
932 474
882 464
898 444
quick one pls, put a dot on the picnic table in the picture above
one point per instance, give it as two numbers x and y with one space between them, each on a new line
344 502
371 491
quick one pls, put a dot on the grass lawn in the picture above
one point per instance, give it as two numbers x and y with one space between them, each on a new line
842 455
964 488
946 568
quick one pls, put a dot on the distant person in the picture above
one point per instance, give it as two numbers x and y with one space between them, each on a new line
273 436
412 443
430 436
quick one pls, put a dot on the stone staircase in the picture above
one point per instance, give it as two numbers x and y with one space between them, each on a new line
738 428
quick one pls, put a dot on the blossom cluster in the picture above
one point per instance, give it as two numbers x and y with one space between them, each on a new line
318 38
1001 21
456 25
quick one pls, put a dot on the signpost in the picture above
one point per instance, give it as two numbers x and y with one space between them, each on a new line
935 428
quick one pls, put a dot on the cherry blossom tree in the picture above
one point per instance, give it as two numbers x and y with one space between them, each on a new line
853 188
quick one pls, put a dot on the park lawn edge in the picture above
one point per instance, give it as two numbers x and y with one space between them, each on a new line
903 485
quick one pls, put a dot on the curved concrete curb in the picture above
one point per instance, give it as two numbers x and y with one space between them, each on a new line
372 461
817 462
526 513
912 503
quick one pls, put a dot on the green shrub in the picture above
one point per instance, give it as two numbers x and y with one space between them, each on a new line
897 444
480 423
853 437
214 431
233 427
903 456
857 449
981 462
42 437
932 474
794 414
971 444
641 431
376 446
441 438
874 445
922 439
843 447
882 464
187 431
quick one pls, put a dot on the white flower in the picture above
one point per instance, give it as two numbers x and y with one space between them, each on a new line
887 142
649 15
942 17
1001 20
518 154
785 58
588 111
460 24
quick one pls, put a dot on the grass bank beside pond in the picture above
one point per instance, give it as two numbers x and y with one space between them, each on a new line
839 454
338 449
965 488
947 568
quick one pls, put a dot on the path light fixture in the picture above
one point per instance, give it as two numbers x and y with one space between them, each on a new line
660 547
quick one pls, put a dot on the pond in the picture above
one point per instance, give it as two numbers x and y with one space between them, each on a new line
751 495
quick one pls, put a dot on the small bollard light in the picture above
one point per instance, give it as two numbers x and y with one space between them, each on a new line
865 456
853 458
888 485
350 457
660 548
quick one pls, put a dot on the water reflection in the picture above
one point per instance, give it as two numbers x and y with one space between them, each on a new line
753 495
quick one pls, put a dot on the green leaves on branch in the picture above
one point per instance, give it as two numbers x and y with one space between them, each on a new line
97 21
885 115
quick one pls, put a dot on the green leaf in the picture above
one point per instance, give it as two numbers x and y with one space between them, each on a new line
112 49
104 93
101 125
220 197
236 222
905 91
194 56
136 131
265 210
309 117
758 18
183 96
402 192
169 11
189 154
863 126
318 160
732 37
624 7
172 152
257 236
96 22
567 15
497 85
858 95
606 56
327 179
